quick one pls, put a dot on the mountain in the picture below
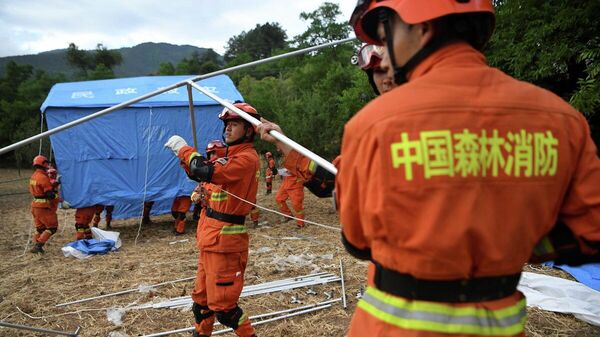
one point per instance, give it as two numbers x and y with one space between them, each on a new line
143 59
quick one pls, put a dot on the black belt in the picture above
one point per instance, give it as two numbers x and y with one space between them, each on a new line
231 218
452 291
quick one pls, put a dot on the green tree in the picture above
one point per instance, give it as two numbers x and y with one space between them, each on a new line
323 26
166 68
98 64
553 44
20 110
258 43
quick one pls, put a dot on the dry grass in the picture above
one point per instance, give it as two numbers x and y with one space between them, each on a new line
32 285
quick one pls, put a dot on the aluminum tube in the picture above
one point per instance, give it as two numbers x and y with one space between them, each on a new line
30 328
277 318
343 285
160 91
123 292
279 136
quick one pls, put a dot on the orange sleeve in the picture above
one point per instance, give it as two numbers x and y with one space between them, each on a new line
299 165
581 206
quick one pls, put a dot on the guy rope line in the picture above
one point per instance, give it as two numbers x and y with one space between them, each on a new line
285 215
163 90
146 176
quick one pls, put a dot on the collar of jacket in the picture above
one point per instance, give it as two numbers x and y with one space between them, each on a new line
452 54
232 150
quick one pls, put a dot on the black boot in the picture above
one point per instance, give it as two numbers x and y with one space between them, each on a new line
37 248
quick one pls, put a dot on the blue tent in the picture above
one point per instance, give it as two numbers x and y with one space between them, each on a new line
119 159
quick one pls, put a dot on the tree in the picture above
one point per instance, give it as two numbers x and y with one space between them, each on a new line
553 44
100 62
258 43
204 63
323 26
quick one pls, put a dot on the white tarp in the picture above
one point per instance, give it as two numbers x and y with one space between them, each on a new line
560 295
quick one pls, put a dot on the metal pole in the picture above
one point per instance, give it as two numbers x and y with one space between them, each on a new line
298 309
343 285
160 91
192 117
279 136
122 292
54 332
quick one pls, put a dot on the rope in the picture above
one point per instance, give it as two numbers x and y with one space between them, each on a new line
146 176
285 215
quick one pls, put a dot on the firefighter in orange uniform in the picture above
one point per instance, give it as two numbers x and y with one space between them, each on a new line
108 217
270 171
468 155
292 187
223 237
83 218
42 206
181 204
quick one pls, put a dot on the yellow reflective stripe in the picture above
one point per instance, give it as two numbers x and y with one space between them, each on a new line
438 317
218 196
312 166
234 229
192 156
40 200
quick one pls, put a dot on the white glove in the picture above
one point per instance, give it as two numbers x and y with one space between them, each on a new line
175 143
65 205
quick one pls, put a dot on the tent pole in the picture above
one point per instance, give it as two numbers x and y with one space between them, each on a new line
163 90
192 117
277 135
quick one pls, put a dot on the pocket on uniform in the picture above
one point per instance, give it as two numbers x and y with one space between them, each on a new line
225 280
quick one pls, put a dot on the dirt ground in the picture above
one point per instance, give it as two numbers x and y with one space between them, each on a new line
32 285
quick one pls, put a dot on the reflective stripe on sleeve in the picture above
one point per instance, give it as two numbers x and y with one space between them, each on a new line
443 318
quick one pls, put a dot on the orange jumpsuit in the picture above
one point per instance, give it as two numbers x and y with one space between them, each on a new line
292 187
224 244
43 206
455 176
83 218
99 209
269 173
181 205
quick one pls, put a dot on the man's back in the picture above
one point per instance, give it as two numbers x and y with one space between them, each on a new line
461 171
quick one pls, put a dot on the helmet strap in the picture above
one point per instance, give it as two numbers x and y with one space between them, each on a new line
401 72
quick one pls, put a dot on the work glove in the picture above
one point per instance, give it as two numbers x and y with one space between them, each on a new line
175 143
64 205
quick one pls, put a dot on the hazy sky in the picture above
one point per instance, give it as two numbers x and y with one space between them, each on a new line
33 26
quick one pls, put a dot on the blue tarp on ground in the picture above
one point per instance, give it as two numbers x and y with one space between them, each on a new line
119 159
588 274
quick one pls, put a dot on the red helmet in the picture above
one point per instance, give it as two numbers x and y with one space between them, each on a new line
42 161
227 114
369 56
411 12
214 145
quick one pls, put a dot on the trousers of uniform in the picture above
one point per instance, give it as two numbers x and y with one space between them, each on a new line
180 206
218 285
83 218
296 195
46 223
